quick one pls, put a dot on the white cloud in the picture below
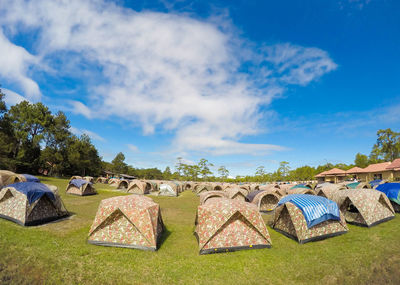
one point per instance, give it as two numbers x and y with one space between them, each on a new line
133 148
14 66
12 98
91 134
167 71
79 108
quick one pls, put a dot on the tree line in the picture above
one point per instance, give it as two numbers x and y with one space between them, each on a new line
33 139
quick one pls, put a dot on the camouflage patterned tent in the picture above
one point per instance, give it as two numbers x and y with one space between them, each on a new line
210 194
101 180
75 177
89 179
139 187
236 194
290 220
9 177
364 207
80 187
202 187
224 225
127 221
123 184
300 191
31 203
265 200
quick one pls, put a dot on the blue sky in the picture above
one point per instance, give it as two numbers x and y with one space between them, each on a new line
241 83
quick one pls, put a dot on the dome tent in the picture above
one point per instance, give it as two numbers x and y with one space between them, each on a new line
364 207
80 187
168 189
31 203
392 191
307 218
132 221
224 225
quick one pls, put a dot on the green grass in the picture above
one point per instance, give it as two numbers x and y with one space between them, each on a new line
58 252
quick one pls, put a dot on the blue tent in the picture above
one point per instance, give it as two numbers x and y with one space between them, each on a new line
315 209
392 191
375 182
31 178
33 190
79 182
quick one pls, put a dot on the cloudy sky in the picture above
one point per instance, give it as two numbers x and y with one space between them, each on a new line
241 83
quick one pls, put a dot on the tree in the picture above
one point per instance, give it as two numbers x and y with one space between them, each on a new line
283 169
167 173
55 152
83 157
387 146
204 168
223 172
118 163
29 123
179 165
7 141
361 160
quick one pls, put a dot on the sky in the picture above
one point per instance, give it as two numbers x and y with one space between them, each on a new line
240 83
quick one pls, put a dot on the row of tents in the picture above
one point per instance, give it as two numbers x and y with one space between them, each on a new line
228 217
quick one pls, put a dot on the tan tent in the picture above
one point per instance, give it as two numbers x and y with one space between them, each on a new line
31 203
9 177
89 179
139 187
101 180
265 200
123 184
290 220
236 194
80 187
202 187
224 225
127 221
209 195
75 177
364 207
113 181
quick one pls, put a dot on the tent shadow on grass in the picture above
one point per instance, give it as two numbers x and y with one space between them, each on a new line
165 234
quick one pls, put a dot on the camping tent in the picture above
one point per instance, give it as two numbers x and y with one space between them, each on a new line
364 207
236 194
392 191
224 225
75 177
101 180
209 195
168 189
89 179
30 178
265 200
113 181
31 203
308 217
123 184
127 221
9 177
202 187
80 187
139 187
375 182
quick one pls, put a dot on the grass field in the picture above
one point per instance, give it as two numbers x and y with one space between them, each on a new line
58 252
